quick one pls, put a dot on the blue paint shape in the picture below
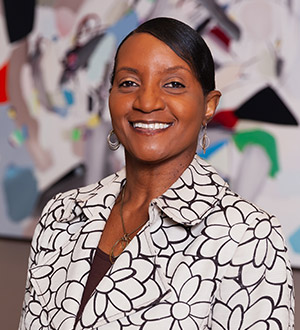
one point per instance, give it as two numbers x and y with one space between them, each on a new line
98 60
294 240
63 112
25 132
212 149
125 25
69 96
21 192
11 172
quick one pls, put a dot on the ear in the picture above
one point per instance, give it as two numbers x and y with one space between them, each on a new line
212 101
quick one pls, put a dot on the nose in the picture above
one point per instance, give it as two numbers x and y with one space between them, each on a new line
148 99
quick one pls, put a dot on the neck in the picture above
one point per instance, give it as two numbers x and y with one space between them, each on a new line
146 181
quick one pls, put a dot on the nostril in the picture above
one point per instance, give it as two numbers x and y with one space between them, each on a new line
148 102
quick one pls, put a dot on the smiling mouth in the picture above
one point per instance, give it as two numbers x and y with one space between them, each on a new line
150 126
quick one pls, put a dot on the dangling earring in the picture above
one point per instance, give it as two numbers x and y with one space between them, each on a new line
204 139
113 145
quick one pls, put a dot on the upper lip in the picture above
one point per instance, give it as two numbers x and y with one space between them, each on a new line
150 121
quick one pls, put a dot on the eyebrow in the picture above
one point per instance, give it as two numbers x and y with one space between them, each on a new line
127 68
176 68
167 70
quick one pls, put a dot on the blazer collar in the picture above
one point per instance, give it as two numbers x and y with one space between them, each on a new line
193 195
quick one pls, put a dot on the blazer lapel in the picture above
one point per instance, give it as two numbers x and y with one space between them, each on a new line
134 282
62 267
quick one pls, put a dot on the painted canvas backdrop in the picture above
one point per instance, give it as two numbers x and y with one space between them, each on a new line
54 78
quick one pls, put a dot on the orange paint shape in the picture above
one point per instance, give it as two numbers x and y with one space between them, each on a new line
3 81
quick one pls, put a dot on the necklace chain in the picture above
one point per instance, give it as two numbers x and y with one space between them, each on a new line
125 239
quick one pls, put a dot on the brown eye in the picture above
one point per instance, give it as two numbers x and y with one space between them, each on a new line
174 84
128 83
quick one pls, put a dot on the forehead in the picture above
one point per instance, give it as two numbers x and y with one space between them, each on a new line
141 49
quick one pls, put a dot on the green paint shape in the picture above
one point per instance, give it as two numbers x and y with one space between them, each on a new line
19 136
76 134
263 139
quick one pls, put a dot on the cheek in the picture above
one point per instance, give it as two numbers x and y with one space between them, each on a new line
191 111
118 107
115 108
112 100
119 104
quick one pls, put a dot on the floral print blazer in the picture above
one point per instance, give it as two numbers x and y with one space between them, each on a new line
206 259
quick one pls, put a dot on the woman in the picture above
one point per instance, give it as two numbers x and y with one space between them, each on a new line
164 243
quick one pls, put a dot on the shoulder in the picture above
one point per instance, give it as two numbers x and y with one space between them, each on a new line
260 229
237 210
229 210
68 205
239 220
237 232
66 212
236 207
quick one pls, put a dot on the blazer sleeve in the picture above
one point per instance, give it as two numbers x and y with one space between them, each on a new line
32 315
257 291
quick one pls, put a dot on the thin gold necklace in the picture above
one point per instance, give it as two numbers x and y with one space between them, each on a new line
125 239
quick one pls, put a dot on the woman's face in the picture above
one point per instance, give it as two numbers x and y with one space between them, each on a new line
156 103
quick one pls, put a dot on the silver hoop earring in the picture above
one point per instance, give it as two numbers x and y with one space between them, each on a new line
205 142
113 144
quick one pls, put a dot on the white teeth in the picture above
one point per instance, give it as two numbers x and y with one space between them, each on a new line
151 126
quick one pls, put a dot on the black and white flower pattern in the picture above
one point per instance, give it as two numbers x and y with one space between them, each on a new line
184 311
206 259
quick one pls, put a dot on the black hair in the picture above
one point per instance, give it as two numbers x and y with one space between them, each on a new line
185 42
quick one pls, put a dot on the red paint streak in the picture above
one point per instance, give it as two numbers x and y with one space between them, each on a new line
3 82
221 36
226 118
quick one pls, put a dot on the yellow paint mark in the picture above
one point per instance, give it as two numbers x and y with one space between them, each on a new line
93 121
12 114
35 101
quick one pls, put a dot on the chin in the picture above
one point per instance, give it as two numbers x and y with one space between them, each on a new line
151 159
149 156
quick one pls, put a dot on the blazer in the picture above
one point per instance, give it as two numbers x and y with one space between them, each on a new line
205 259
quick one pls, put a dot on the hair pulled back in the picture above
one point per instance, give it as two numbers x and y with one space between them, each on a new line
185 42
